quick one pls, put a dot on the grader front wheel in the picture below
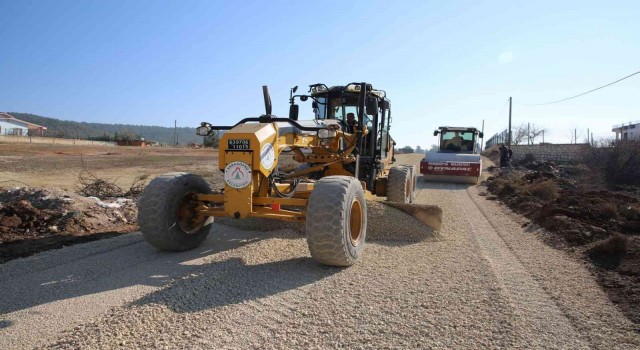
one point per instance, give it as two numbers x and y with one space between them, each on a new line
336 222
166 212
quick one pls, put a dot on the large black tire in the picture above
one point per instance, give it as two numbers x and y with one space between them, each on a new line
161 224
414 180
399 185
336 222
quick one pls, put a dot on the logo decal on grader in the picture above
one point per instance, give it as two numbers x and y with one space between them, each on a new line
267 156
237 175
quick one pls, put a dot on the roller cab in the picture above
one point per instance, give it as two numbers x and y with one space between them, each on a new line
457 159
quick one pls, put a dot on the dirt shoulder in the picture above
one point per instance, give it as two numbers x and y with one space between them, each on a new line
42 205
597 225
34 220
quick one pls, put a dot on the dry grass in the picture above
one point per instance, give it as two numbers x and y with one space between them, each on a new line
607 210
617 162
546 190
609 252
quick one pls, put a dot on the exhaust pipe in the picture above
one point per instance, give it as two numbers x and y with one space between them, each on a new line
267 100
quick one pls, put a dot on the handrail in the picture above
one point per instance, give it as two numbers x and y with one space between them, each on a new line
267 119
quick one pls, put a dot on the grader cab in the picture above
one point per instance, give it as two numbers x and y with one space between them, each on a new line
344 159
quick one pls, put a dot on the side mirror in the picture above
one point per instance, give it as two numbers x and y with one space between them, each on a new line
384 104
293 112
435 133
304 98
314 105
481 135
372 106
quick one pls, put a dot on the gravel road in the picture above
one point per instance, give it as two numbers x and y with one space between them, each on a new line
484 281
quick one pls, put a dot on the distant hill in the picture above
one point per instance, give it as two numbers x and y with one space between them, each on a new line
100 131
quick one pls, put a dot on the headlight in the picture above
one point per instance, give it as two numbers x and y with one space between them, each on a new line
353 88
318 89
202 130
326 133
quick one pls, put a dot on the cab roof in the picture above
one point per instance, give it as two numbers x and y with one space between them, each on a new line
458 128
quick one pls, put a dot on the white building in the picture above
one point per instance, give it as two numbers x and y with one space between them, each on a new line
12 126
627 131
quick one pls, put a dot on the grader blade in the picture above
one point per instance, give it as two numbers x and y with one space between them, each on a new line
430 215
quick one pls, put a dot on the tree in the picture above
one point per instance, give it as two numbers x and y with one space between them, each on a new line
212 140
405 149
434 148
419 149
574 135
529 132
519 134
127 135
535 132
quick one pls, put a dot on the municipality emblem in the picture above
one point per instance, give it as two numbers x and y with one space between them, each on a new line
237 174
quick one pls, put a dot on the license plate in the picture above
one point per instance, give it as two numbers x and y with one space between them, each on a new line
238 145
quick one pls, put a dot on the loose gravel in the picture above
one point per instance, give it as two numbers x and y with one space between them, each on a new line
383 224
482 282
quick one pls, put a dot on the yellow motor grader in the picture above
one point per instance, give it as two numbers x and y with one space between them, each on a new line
345 153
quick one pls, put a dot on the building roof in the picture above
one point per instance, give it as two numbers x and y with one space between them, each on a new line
7 116
626 124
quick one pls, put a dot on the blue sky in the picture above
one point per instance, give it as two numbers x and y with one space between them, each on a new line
441 63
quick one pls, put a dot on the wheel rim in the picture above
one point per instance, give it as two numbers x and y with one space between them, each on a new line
415 185
188 221
407 190
355 222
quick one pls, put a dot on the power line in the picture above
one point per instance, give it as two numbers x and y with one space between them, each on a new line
506 102
584 93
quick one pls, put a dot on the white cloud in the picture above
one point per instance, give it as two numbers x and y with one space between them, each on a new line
505 57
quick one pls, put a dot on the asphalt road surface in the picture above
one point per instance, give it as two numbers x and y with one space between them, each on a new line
484 281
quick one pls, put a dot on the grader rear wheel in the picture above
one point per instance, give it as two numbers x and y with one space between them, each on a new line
336 222
414 180
166 212
400 185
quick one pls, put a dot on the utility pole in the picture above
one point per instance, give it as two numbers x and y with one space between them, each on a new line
575 136
175 132
588 136
509 140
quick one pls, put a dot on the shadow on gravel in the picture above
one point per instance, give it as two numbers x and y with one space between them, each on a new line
5 323
28 247
386 225
233 282
422 184
95 269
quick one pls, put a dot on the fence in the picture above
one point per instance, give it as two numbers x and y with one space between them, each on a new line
52 140
497 139
531 134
